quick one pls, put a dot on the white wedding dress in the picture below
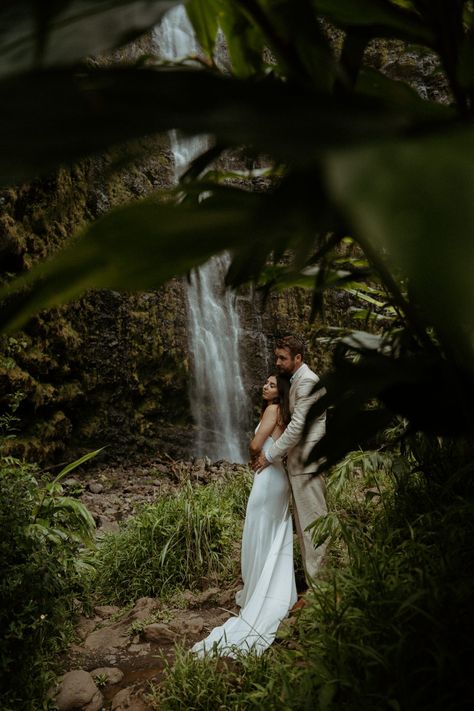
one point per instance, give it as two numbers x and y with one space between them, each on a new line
267 570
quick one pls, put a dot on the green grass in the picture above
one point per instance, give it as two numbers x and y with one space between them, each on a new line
184 540
208 684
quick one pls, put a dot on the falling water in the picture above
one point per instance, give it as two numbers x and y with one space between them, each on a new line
219 401
175 41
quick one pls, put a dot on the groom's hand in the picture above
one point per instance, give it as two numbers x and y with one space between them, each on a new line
260 462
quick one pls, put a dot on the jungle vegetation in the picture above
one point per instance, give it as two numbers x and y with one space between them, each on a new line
372 193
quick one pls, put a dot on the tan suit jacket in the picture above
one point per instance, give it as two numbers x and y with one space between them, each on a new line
291 442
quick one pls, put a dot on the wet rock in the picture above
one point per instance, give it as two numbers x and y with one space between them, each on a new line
201 598
188 625
107 638
200 474
140 649
124 700
113 674
78 691
95 487
159 633
77 650
143 609
85 626
105 611
207 595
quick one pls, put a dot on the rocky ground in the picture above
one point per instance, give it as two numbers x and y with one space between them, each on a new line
118 652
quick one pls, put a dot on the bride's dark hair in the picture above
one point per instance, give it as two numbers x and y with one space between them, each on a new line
283 399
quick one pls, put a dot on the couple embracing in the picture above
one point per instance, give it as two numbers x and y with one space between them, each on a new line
269 590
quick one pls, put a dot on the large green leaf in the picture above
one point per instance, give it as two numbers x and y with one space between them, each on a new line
47 34
424 388
378 17
296 39
411 203
296 216
244 39
399 95
142 245
203 15
58 116
136 247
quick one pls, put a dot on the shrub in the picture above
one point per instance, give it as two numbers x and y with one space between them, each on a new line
40 568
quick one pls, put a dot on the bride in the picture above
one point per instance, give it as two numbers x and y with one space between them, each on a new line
269 589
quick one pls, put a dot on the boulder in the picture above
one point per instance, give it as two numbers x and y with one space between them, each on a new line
107 638
188 625
105 611
159 633
85 626
124 700
143 609
78 692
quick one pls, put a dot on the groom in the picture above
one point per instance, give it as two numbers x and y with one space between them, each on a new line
307 489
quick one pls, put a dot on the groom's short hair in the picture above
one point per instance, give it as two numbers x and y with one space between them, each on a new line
294 344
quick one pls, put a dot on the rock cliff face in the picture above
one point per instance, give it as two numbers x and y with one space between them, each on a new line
111 367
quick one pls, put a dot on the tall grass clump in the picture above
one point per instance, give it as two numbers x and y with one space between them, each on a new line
391 623
43 534
183 540
196 684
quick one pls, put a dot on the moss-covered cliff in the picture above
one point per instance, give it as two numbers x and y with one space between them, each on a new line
111 367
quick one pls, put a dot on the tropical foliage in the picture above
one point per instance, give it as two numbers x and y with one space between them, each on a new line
389 627
353 153
43 558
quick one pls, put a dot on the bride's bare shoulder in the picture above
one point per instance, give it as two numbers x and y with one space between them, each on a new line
271 413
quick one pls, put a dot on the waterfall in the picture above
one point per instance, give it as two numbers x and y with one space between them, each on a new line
219 402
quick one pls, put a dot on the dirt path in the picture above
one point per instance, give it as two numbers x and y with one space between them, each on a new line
120 651
137 642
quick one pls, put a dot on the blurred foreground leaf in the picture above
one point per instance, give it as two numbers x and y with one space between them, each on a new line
56 117
380 18
365 394
412 204
46 34
136 247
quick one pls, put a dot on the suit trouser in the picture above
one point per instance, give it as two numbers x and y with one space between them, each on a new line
309 504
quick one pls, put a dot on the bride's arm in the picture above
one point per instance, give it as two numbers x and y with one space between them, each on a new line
266 427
